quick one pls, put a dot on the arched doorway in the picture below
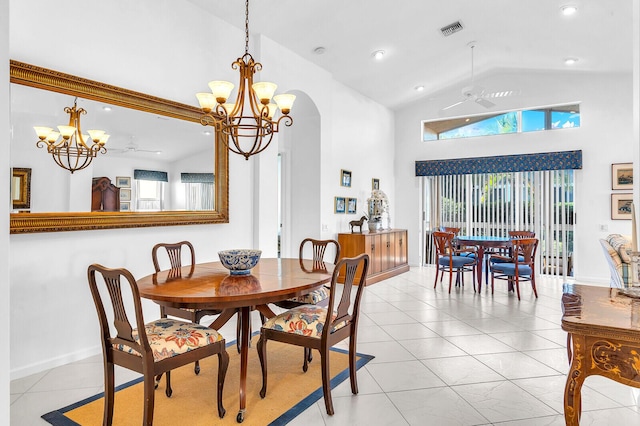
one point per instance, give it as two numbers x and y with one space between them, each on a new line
299 177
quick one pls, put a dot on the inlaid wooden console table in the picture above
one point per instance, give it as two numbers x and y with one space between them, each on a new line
604 339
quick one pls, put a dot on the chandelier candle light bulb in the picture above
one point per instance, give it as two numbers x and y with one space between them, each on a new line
246 129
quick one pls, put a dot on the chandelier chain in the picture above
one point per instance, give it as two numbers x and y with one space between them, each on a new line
246 28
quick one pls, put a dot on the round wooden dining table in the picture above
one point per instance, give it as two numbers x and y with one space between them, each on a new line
210 286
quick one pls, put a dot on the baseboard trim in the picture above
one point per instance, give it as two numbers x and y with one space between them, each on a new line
47 364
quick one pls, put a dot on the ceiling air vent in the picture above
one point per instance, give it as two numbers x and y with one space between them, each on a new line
451 28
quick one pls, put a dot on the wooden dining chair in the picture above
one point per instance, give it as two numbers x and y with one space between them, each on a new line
150 349
319 296
318 327
174 253
450 259
318 249
503 254
520 266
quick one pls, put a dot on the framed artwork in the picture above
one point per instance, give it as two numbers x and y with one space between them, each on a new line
125 207
21 188
339 205
123 181
375 183
622 176
621 206
125 195
352 205
345 178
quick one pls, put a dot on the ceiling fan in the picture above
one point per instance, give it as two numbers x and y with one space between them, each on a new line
476 93
132 147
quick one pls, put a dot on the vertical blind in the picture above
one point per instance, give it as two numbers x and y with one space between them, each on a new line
491 204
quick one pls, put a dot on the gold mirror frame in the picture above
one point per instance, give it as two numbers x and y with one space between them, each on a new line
42 78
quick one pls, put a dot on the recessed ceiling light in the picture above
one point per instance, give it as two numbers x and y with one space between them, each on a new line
570 61
378 54
319 50
568 10
106 108
419 88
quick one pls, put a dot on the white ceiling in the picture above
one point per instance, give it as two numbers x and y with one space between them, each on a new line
510 35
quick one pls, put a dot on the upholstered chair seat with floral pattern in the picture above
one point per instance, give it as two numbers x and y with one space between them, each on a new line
170 337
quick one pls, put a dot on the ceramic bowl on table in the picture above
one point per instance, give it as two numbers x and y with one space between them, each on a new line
239 261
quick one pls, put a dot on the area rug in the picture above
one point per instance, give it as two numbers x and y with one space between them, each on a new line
290 391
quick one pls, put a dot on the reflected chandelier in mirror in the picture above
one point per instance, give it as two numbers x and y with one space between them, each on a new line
54 81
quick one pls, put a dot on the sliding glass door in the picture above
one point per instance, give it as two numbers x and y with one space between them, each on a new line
495 203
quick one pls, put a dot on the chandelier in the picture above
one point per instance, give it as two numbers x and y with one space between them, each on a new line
247 130
72 152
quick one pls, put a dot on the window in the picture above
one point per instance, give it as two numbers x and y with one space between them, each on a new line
530 120
150 189
198 190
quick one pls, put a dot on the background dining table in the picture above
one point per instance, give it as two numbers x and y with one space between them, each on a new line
483 242
211 286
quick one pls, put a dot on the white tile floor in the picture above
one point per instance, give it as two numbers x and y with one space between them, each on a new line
440 359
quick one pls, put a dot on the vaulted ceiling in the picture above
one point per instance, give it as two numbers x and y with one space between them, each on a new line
509 35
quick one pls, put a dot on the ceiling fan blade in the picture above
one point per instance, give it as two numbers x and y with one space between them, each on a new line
454 104
485 103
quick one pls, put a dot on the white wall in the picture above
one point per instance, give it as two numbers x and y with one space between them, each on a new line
605 137
4 213
183 49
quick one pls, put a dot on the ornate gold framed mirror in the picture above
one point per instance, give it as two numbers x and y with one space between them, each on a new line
54 81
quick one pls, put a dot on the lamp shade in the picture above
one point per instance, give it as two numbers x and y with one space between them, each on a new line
207 101
221 90
271 109
285 102
229 107
53 136
264 90
42 132
66 131
96 135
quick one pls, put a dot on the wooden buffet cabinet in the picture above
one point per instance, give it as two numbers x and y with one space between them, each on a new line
387 251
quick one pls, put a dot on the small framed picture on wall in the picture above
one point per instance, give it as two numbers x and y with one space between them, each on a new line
621 206
352 205
340 205
123 181
375 183
125 194
622 176
345 178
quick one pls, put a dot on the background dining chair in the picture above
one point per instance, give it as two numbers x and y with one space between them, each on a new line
149 349
174 253
520 266
503 255
450 259
318 250
319 296
317 327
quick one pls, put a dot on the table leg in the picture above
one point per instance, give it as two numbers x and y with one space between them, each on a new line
244 357
480 259
575 378
222 319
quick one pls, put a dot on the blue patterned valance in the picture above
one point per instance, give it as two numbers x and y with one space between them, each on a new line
150 175
196 177
564 160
